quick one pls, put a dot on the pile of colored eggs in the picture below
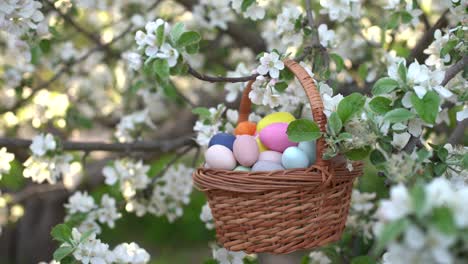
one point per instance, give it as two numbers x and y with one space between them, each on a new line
259 147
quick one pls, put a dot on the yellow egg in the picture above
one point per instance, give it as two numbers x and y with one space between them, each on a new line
261 147
279 117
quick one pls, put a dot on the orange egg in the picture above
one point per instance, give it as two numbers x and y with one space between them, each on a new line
245 128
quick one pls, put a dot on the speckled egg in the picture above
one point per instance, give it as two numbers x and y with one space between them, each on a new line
260 145
294 158
270 155
310 149
223 139
220 157
242 168
246 150
266 166
279 117
274 137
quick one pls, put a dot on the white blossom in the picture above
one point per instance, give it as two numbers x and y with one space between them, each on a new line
42 143
49 169
134 60
255 11
331 103
318 257
224 256
233 89
80 202
5 159
126 253
91 250
271 64
130 175
211 14
400 140
398 206
107 212
207 217
341 9
168 52
462 114
326 36
19 16
130 125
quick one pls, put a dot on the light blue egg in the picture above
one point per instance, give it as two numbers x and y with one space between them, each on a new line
266 166
294 158
241 168
310 148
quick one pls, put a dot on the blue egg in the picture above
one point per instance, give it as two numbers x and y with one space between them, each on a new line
309 147
262 165
223 139
294 158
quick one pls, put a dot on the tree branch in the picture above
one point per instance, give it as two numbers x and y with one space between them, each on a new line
418 51
213 79
88 146
454 70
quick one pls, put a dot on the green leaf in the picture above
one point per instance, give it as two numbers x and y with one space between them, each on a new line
192 49
423 154
380 105
358 154
161 68
303 130
442 218
45 45
350 105
202 112
286 74
362 71
35 54
442 153
376 157
384 86
402 71
62 252
465 161
338 61
246 4
160 37
427 107
418 199
281 86
334 124
177 31
61 233
440 168
393 21
390 232
363 260
398 115
406 17
448 47
188 38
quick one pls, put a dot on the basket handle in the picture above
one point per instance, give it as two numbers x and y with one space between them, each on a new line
313 95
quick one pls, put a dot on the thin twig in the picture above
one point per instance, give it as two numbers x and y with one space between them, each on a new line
213 79
88 146
454 70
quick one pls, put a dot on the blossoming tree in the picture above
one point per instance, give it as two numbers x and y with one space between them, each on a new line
94 93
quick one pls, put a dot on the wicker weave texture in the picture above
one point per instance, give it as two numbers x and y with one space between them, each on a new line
280 211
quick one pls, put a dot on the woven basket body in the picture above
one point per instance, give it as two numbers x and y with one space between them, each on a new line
280 211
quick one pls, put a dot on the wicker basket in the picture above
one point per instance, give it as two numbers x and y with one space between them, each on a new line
280 211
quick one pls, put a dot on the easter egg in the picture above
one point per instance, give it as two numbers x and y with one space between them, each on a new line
262 165
310 149
274 137
245 128
220 157
241 168
223 139
246 150
293 158
270 155
260 145
279 117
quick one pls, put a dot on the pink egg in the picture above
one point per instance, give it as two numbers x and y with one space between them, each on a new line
220 157
274 137
246 150
270 155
